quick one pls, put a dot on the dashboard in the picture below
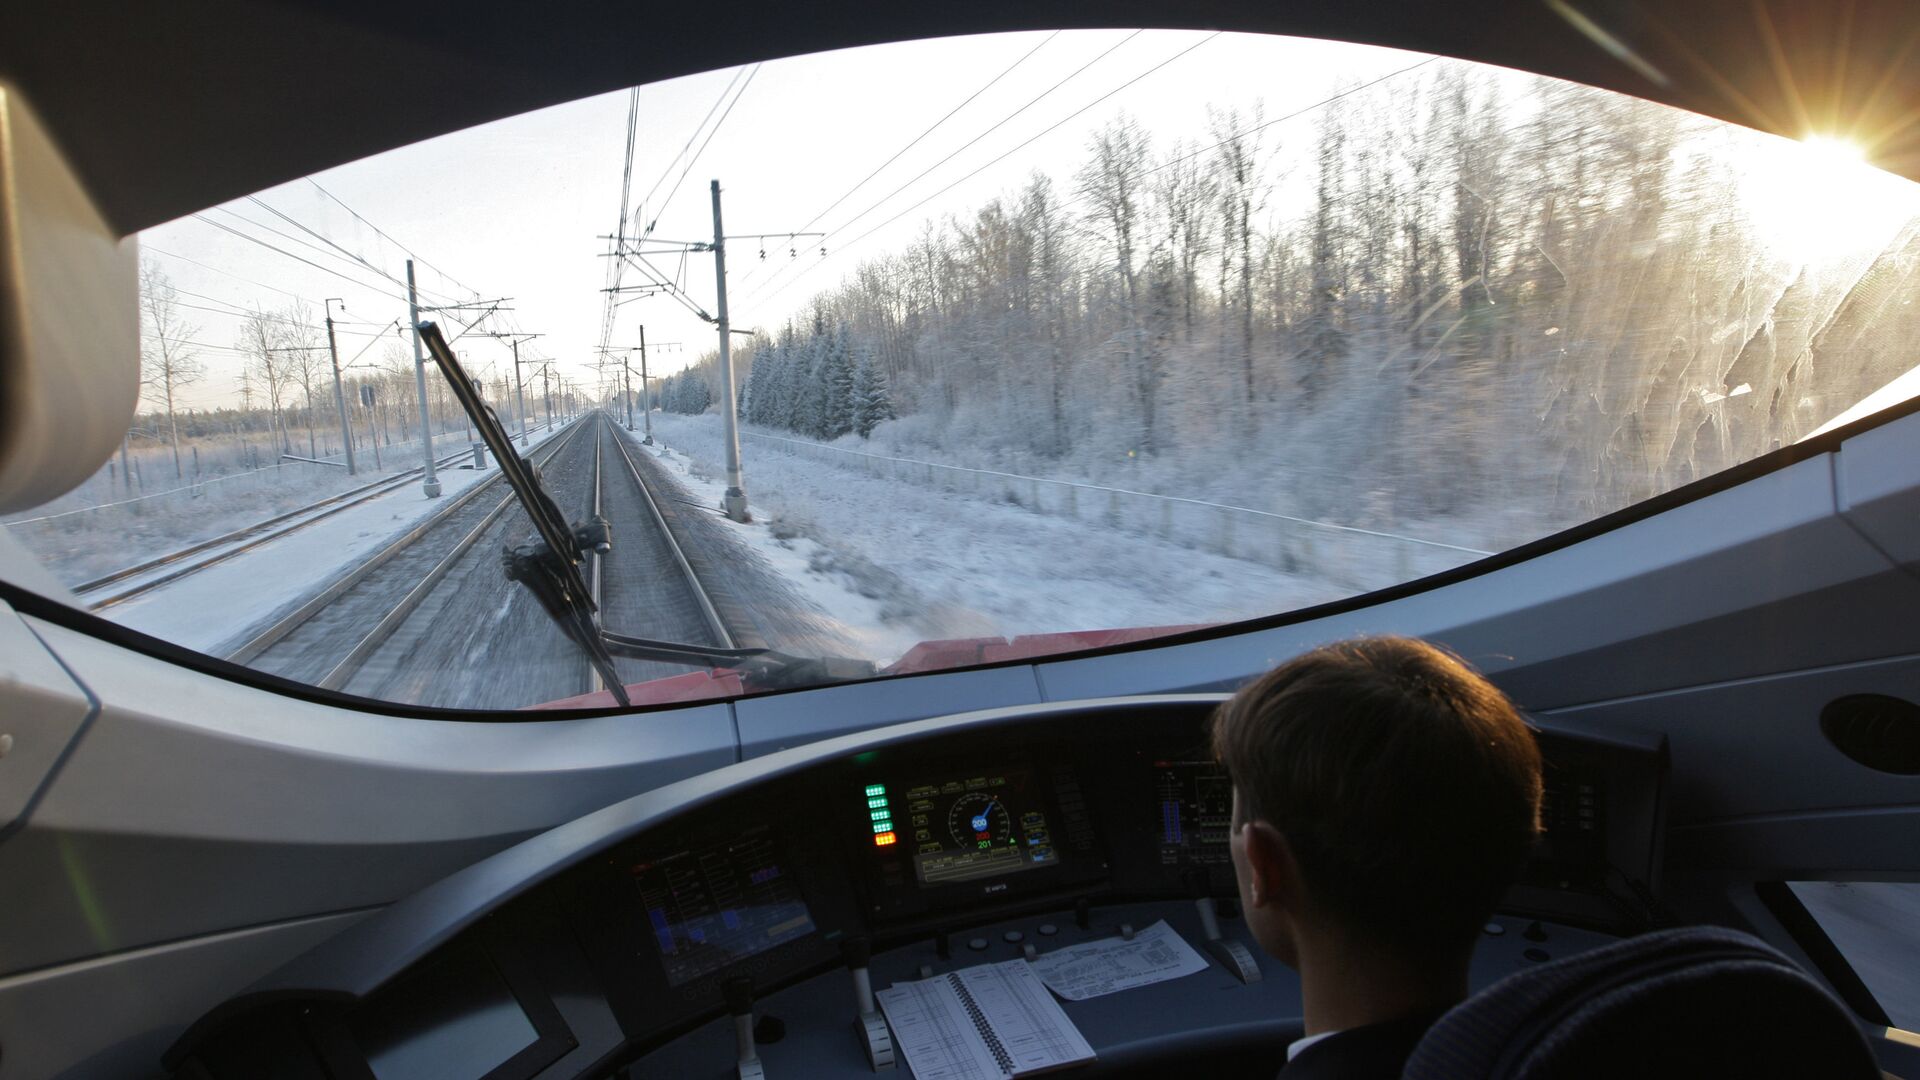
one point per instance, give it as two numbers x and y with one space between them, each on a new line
617 944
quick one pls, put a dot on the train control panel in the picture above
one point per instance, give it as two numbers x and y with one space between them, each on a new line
761 910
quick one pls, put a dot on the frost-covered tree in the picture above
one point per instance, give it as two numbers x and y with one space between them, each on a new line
168 361
872 403
836 376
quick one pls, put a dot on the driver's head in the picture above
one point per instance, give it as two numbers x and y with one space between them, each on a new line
1383 790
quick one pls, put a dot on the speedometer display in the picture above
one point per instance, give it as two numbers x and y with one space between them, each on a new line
978 822
965 827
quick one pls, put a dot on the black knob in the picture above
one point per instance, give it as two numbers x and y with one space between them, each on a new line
1198 884
856 951
739 995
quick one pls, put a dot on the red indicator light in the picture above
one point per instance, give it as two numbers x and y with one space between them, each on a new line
884 839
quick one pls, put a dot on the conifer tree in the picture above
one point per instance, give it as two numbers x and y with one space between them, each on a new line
872 402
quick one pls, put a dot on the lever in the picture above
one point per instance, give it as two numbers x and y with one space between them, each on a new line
739 995
868 1024
1233 956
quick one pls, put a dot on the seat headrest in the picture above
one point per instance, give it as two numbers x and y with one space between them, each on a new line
1698 1001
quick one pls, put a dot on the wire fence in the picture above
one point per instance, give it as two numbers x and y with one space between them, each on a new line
1363 559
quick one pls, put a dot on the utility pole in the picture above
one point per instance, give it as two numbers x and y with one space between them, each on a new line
646 413
519 392
431 485
339 394
626 383
546 388
736 497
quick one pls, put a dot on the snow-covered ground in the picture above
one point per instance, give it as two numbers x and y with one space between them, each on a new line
205 609
928 564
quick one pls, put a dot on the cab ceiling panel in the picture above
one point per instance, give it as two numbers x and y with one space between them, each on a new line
170 108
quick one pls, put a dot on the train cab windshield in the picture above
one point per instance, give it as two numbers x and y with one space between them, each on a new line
1077 339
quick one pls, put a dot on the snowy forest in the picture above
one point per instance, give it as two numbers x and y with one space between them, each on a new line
1471 297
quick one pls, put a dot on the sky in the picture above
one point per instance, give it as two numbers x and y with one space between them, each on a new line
519 208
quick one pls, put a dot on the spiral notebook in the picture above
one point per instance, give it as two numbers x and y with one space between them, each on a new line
988 1022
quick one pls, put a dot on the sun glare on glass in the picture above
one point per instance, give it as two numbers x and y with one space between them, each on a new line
1817 198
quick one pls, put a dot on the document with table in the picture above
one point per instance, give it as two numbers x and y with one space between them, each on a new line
1110 965
990 1022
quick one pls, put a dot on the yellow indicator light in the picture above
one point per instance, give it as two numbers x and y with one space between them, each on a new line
885 839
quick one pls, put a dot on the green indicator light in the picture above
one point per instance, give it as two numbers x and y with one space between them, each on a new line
877 804
882 826
879 815
876 789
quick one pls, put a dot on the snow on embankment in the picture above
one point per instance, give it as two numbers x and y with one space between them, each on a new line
943 564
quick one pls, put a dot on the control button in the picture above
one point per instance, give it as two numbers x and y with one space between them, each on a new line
1014 937
1030 953
926 971
978 944
1494 929
1126 931
1534 932
1047 929
1538 956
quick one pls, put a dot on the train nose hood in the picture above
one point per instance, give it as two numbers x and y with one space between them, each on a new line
926 656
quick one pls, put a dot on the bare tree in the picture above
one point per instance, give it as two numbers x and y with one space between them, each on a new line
305 357
1114 182
1235 154
168 360
261 335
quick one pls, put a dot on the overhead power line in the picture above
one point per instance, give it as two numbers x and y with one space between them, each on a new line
668 171
383 234
296 258
1022 146
917 139
964 147
715 130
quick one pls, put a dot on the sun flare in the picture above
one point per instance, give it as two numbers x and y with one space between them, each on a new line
1817 198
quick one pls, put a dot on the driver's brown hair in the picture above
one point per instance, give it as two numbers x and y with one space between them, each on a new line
1406 784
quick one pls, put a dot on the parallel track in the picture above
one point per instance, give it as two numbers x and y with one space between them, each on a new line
242 540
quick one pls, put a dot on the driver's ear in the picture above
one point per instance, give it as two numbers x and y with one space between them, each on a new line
1273 873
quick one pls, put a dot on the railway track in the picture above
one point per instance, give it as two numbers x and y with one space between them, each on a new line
328 638
647 586
143 577
432 619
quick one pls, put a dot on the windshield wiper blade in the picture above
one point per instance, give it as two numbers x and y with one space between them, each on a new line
550 568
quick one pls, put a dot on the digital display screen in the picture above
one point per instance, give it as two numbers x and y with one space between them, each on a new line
712 905
959 828
1194 812
457 1018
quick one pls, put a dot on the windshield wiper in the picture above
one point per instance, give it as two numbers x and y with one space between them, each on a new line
550 568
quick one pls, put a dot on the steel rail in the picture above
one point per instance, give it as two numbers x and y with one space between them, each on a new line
723 637
594 679
252 536
271 634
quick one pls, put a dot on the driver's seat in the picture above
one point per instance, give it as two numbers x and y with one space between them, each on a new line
1694 1002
